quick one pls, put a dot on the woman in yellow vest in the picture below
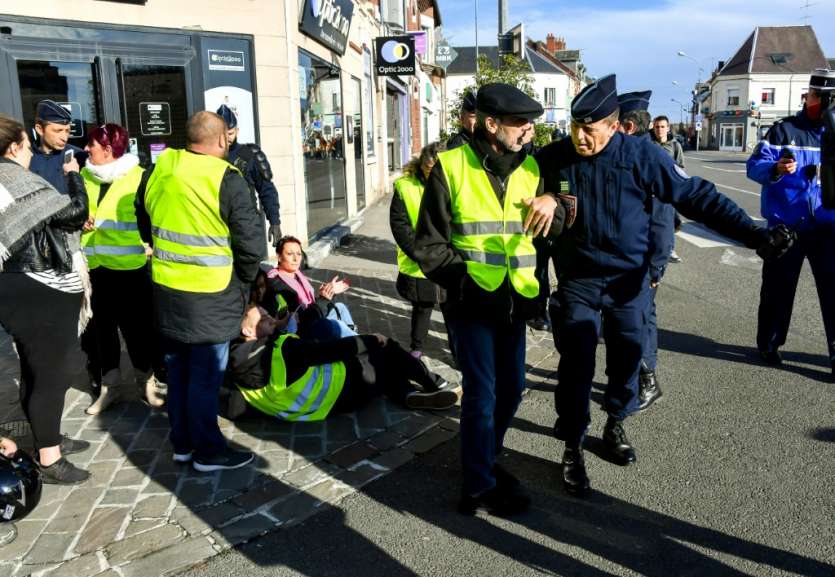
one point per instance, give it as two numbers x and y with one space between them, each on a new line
412 284
117 259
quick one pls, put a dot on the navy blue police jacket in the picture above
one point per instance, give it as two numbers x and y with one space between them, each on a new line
792 199
50 166
267 193
614 190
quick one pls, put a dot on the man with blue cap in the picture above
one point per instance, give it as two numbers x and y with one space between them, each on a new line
467 119
602 261
51 159
253 164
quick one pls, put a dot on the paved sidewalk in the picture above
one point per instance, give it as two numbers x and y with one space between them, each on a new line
142 515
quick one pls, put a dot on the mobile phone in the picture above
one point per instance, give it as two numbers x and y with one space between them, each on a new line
68 155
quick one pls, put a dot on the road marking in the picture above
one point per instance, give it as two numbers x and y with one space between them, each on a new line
703 237
730 258
723 169
719 185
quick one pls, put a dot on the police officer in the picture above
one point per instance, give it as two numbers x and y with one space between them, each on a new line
634 120
786 164
197 213
52 156
253 164
467 119
602 261
481 208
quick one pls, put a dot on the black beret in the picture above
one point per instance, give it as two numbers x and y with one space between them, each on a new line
228 116
596 101
468 102
499 99
629 101
822 79
51 111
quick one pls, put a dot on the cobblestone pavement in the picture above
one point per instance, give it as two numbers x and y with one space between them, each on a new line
142 515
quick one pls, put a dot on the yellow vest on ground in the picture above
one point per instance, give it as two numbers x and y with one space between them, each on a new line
115 243
192 249
489 236
410 190
310 398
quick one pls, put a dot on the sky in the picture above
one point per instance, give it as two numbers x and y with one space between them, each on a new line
639 40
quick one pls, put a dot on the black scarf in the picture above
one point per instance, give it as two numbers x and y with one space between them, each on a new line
502 164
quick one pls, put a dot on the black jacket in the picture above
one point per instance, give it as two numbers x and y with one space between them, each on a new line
460 138
210 318
47 247
441 263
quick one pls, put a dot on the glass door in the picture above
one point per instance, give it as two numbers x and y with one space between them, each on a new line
359 162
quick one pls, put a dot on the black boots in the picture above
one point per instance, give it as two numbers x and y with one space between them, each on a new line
648 389
574 477
616 443
503 500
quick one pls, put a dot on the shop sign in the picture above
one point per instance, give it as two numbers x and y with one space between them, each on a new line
155 118
328 22
420 42
395 55
157 148
445 54
229 60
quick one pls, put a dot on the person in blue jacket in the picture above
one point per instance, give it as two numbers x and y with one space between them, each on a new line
52 127
253 164
786 163
602 261
635 120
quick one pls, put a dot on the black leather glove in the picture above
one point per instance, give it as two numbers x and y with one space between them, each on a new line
275 234
780 239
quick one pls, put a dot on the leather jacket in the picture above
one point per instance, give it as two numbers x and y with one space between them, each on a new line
47 246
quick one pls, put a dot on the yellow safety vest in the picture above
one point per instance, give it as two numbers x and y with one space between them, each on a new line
310 398
487 235
410 190
192 250
115 243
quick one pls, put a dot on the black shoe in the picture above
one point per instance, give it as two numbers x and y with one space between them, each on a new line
648 389
432 401
228 459
498 501
574 477
71 446
772 358
62 472
505 478
615 441
540 323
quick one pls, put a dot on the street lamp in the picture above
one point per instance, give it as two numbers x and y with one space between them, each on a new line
696 103
681 115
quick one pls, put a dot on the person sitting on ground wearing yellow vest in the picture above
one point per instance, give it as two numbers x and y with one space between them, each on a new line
117 259
294 379
412 284
484 203
200 217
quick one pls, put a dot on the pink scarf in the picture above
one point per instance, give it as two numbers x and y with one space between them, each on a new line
299 283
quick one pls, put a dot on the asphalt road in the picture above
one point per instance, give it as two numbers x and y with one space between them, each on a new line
735 463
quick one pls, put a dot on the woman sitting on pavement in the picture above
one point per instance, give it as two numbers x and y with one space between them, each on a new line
284 376
313 315
117 260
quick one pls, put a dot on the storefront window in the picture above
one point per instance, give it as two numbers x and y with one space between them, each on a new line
368 105
357 137
320 92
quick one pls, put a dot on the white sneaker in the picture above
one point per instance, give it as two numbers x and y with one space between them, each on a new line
149 389
183 457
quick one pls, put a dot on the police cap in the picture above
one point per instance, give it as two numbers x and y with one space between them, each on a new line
500 99
468 102
629 101
822 79
596 101
228 116
51 111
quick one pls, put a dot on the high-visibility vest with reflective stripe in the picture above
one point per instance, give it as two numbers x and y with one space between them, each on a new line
487 235
192 251
410 190
115 243
310 398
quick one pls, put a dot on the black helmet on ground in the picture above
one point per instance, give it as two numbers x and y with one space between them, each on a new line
20 486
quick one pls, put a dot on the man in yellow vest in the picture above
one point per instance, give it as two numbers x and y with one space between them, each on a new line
483 205
198 215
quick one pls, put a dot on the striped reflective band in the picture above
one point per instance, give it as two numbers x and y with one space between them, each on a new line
116 225
487 227
524 261
189 239
496 259
210 260
114 250
789 146
326 385
303 397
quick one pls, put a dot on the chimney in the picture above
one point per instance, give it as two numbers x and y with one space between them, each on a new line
550 43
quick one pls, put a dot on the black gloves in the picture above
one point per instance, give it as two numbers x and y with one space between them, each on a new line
780 239
275 234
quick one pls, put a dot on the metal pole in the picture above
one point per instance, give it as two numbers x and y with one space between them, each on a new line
698 108
476 37
502 16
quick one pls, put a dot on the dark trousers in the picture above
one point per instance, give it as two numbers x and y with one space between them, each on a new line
121 301
44 325
195 374
621 302
421 318
543 258
650 359
779 285
492 363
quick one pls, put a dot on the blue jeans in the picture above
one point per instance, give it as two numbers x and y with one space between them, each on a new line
195 373
337 325
492 363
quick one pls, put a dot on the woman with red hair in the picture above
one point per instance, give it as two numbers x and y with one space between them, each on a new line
118 269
